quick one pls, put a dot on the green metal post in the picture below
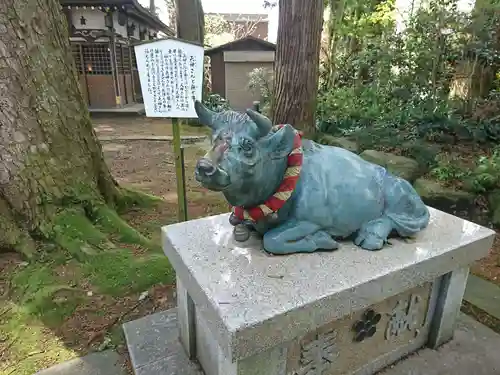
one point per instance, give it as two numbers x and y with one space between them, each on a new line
179 172
183 168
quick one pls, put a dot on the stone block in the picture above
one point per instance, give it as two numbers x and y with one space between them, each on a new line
343 142
484 295
154 346
187 318
347 311
149 338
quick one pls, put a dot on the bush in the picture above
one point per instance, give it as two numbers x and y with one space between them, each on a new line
386 118
216 103
261 85
486 176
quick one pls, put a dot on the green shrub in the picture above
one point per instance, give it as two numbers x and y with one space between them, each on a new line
380 118
216 103
260 83
486 176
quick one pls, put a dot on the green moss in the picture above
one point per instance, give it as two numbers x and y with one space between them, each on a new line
79 236
29 279
131 198
120 272
110 222
73 231
117 336
36 289
33 346
53 303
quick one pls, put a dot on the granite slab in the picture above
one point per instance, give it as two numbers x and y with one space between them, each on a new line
157 332
253 301
154 347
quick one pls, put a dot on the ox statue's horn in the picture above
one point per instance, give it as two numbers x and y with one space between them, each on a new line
262 122
204 114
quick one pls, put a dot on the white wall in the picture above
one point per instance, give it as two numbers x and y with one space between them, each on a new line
94 18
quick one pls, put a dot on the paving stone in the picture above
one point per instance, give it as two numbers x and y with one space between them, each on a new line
150 338
103 363
176 363
154 346
474 350
483 294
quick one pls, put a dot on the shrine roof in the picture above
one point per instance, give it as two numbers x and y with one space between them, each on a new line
243 44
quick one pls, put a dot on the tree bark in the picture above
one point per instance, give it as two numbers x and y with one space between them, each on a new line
297 63
190 20
50 158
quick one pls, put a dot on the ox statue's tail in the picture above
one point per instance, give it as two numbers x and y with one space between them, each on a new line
404 207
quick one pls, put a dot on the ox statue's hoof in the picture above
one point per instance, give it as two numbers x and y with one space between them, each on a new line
241 232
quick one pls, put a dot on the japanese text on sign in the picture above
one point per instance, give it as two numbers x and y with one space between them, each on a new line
171 74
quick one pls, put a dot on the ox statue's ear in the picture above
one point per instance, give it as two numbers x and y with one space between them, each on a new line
263 123
280 143
205 115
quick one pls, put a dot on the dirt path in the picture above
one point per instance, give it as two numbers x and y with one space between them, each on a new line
140 126
149 166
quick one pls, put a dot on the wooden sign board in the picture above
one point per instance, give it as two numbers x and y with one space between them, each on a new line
171 76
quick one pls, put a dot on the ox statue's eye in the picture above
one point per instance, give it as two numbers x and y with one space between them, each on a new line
247 146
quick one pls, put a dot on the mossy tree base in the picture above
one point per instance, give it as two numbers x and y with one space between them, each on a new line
86 231
82 229
54 184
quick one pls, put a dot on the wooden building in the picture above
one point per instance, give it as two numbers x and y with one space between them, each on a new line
102 35
230 65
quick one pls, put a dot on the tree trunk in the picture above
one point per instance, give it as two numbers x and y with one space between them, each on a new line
297 63
50 158
190 20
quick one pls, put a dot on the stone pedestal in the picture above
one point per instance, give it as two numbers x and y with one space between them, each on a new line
242 311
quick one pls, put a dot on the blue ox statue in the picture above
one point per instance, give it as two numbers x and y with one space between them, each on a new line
300 195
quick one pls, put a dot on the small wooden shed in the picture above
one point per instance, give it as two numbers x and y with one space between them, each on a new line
230 65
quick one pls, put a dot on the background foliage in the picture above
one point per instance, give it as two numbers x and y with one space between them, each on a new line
417 81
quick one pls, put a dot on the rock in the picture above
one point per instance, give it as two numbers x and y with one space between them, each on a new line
424 153
143 295
494 200
339 142
444 198
398 165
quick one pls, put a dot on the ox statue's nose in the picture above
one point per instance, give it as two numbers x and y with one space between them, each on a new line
205 167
